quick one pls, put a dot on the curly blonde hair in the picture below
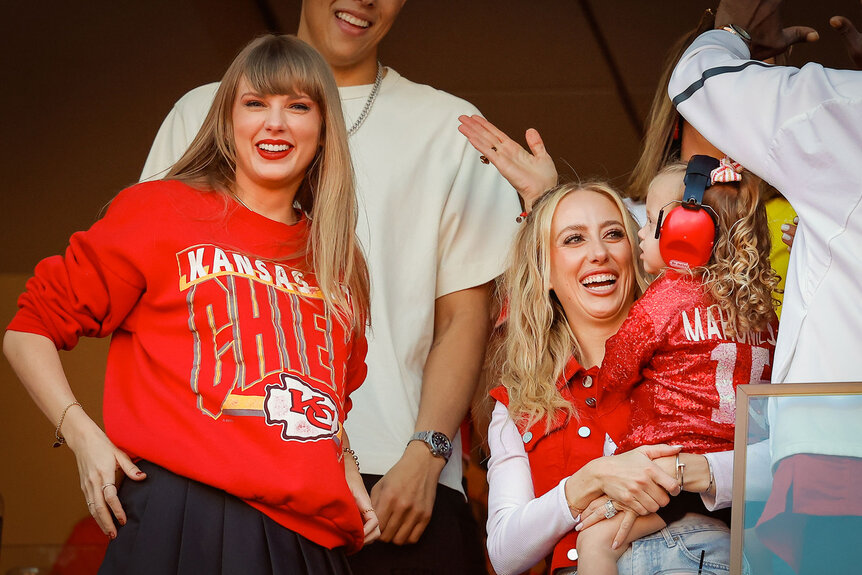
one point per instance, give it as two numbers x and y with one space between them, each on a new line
539 342
739 275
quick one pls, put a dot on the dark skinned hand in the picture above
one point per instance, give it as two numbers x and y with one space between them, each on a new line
851 36
762 20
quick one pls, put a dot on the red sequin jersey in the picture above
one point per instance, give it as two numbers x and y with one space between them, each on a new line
672 359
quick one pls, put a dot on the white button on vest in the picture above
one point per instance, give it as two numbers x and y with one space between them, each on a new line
528 436
588 381
584 431
572 555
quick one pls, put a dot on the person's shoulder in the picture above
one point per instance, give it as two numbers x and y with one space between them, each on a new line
683 283
501 394
429 98
665 296
655 291
196 98
153 196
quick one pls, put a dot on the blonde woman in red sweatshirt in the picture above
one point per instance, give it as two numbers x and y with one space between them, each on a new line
237 298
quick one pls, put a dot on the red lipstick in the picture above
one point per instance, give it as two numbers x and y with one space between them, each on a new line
273 149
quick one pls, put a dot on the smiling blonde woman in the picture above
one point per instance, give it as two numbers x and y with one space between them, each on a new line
236 298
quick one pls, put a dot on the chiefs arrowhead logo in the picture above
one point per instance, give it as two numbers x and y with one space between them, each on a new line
305 413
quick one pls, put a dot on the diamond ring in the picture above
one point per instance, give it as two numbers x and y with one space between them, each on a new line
610 510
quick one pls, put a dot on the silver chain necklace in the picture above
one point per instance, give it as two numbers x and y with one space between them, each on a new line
356 125
237 198
368 103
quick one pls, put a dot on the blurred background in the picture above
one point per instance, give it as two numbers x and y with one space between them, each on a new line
88 84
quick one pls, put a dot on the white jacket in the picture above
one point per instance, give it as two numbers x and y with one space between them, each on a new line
800 130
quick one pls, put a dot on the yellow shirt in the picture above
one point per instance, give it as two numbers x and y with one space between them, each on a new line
778 212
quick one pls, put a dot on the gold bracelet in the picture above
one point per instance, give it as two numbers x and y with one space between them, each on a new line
576 512
59 439
353 454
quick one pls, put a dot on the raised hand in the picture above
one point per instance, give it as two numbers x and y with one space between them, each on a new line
762 20
530 173
851 36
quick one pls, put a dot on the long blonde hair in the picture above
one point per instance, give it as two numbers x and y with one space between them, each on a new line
539 342
663 132
738 276
283 65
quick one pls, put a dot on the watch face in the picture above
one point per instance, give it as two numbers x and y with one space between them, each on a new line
441 443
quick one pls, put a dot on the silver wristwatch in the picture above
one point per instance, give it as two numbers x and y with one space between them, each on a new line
437 442
738 31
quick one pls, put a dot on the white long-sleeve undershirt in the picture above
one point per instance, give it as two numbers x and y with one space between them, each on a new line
523 528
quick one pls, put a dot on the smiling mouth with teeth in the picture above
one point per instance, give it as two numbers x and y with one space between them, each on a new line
351 19
273 147
600 280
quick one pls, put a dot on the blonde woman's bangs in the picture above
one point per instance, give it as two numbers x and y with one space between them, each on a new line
269 70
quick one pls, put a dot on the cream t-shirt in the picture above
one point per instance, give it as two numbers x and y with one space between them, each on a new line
433 220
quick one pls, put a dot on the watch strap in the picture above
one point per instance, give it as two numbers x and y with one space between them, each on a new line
427 437
738 31
421 436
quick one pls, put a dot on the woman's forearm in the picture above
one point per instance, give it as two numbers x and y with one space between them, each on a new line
522 528
522 534
36 362
720 493
758 475
710 475
582 487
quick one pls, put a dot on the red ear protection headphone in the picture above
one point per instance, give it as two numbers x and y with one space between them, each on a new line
687 233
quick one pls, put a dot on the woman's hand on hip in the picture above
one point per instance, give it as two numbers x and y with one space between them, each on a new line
101 466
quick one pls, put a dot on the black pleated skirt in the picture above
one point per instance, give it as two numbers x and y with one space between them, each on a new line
180 526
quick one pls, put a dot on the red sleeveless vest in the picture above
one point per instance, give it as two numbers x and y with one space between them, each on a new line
569 445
